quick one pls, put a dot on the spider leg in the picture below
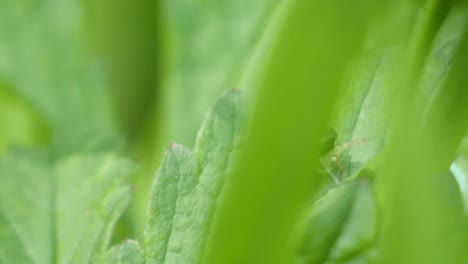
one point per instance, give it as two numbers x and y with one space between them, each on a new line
338 163
329 172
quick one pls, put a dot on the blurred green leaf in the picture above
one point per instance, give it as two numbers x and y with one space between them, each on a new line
209 43
59 212
42 56
205 48
365 109
341 226
26 209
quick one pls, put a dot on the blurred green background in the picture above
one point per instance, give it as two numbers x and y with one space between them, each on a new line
167 62
133 77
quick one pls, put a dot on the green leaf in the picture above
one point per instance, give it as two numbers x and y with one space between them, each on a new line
189 185
59 212
210 43
364 109
341 226
206 47
26 209
43 58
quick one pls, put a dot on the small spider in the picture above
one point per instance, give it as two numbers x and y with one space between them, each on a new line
331 154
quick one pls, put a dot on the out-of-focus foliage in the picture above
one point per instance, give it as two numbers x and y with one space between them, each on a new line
277 169
187 190
57 205
42 59
423 144
342 226
59 212
399 120
122 35
209 44
365 109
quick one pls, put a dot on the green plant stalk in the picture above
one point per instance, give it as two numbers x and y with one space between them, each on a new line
275 174
124 35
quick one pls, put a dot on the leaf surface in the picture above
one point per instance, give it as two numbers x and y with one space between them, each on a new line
188 187
342 226
59 212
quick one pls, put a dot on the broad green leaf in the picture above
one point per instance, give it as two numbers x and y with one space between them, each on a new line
341 226
364 109
209 45
188 186
59 212
43 58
